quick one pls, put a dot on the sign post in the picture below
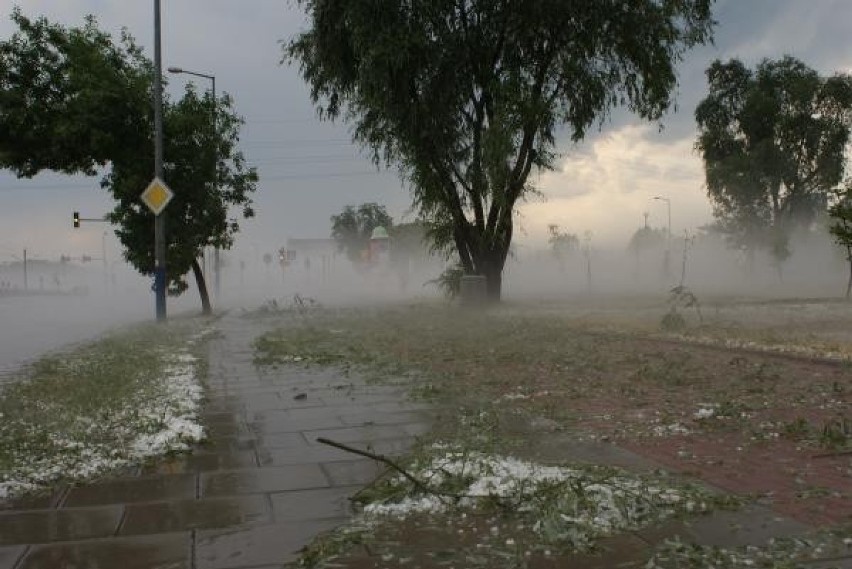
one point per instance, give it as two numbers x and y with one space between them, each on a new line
157 196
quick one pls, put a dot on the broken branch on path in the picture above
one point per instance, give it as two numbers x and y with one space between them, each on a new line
385 460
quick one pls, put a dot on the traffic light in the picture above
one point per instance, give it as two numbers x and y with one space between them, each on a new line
76 219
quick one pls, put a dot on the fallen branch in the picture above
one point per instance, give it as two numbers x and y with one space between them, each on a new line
385 460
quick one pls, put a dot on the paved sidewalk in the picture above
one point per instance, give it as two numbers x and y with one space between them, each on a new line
252 496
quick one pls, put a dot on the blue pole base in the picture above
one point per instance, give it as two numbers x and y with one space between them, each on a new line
160 291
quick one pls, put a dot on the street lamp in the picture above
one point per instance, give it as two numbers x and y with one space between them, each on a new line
212 78
667 259
160 218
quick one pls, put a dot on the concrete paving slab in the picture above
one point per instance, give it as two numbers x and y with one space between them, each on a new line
363 434
44 526
9 556
240 548
281 440
124 490
293 421
369 417
162 551
36 502
203 461
265 479
362 471
185 515
300 455
325 503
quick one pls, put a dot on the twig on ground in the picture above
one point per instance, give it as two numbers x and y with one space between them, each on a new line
385 460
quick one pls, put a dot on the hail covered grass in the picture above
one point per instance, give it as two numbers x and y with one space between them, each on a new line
564 505
109 405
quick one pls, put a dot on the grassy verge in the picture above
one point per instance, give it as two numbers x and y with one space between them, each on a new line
504 384
106 405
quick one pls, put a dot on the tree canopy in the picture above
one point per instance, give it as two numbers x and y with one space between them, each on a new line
71 99
773 142
466 97
74 100
208 175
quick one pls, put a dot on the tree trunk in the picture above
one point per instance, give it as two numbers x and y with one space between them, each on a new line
849 284
206 310
494 281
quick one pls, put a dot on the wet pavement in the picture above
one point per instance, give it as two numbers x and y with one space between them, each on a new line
250 497
262 487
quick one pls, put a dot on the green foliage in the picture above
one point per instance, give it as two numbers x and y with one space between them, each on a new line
773 142
69 97
449 281
352 227
208 175
841 226
465 98
74 99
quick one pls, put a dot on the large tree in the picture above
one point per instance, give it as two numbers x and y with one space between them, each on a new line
773 142
73 100
466 97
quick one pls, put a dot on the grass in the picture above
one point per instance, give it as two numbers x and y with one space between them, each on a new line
108 404
504 381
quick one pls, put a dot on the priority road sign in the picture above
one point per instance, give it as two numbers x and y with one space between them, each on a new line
157 196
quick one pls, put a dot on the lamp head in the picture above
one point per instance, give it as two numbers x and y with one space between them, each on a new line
175 70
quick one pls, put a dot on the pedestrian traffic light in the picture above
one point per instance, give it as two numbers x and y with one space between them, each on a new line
76 219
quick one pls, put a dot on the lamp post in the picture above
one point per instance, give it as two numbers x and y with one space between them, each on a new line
160 219
667 259
212 78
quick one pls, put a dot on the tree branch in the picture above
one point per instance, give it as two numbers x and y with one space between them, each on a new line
422 486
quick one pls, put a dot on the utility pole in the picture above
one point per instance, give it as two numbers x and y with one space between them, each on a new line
25 270
159 219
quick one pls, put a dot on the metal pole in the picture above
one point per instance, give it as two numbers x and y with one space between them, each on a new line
669 204
216 259
103 255
25 270
160 220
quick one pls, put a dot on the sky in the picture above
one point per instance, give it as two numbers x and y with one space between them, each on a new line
309 170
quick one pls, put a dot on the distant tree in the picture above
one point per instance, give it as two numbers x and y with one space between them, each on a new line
647 239
841 226
466 97
352 227
773 142
73 100
562 244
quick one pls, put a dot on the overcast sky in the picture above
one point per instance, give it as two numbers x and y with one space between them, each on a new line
309 170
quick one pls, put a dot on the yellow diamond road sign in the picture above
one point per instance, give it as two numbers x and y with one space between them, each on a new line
157 196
